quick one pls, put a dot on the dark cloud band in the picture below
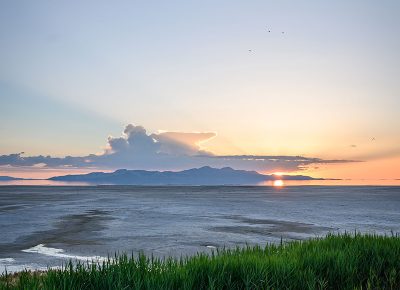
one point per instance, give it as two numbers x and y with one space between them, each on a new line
136 149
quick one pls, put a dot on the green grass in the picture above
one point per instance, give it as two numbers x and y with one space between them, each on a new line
334 262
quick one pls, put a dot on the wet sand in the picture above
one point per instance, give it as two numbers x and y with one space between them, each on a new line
268 227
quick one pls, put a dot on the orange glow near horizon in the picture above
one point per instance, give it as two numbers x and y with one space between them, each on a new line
278 173
387 169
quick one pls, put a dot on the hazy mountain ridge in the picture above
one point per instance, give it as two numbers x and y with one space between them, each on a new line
9 178
197 176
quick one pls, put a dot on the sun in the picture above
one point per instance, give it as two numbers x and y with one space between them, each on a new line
278 183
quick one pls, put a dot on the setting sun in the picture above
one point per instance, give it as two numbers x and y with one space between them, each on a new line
278 183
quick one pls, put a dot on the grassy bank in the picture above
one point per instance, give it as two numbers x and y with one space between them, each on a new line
334 262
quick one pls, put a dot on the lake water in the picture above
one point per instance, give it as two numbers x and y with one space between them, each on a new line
44 226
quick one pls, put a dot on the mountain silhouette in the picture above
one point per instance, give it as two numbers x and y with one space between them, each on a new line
197 176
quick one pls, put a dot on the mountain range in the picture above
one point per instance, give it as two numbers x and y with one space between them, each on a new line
197 176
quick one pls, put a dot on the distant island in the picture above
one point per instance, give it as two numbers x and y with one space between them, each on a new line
197 176
9 178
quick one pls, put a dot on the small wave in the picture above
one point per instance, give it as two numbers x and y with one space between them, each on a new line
211 247
59 253
7 260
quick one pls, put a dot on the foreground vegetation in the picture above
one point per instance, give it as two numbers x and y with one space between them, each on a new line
334 262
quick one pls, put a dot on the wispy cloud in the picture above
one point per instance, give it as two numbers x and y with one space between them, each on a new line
137 149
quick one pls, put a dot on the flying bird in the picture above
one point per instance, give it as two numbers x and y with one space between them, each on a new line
373 139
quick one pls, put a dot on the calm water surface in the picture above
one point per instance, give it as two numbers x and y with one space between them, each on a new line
45 226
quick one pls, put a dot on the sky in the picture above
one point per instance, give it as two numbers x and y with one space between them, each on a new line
301 87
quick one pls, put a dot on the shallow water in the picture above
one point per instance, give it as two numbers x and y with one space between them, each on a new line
45 226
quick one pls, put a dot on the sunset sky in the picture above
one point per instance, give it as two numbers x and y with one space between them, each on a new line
301 87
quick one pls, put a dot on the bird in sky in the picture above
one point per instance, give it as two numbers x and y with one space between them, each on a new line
373 139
